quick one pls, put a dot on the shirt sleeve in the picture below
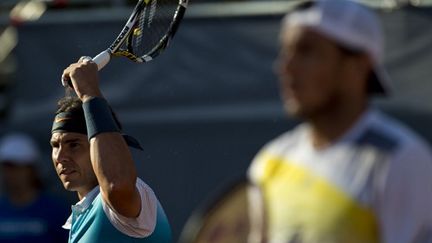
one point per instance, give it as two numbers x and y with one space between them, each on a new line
405 201
256 168
143 225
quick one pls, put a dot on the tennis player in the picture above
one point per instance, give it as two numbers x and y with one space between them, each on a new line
92 158
349 173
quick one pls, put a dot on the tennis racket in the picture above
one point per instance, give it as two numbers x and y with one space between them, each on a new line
235 215
147 33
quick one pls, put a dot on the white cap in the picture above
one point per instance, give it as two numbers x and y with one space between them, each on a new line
351 25
19 149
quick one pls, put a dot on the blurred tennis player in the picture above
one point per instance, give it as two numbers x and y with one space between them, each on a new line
92 158
349 173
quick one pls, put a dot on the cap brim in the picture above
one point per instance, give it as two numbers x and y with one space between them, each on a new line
379 83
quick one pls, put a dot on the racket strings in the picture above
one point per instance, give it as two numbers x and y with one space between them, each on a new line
137 28
154 23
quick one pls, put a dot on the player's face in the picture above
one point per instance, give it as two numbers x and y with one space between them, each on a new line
309 69
71 158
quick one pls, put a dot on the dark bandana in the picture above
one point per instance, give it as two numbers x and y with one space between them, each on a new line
75 122
69 122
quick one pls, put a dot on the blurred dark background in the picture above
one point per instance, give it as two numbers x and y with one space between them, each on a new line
204 107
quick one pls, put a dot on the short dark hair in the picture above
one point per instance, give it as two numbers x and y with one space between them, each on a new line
74 104
69 103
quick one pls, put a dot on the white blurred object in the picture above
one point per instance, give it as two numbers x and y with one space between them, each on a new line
395 4
8 40
23 11
19 149
27 11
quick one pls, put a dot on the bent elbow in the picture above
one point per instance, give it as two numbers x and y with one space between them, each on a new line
123 190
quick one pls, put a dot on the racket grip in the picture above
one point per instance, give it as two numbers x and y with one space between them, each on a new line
102 59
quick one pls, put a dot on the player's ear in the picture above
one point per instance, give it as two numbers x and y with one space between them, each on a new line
358 63
360 67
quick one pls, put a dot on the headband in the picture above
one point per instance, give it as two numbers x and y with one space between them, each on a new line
69 122
75 122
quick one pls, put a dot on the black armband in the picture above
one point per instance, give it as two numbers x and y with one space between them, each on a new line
98 117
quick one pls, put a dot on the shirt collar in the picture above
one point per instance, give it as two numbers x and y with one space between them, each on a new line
81 206
352 134
360 126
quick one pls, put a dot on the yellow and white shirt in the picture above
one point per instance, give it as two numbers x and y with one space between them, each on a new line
373 185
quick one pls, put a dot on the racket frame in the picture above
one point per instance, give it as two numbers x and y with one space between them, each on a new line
104 57
196 225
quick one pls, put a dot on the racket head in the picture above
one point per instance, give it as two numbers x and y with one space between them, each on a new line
236 214
149 30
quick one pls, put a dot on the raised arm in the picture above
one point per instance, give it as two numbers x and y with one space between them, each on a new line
110 156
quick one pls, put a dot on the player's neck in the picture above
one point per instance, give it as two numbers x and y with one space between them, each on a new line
85 190
327 128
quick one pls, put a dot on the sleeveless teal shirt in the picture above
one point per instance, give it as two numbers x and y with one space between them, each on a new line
93 226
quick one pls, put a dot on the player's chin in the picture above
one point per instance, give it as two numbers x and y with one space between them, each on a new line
68 185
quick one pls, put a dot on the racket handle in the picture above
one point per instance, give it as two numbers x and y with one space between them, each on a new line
102 59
